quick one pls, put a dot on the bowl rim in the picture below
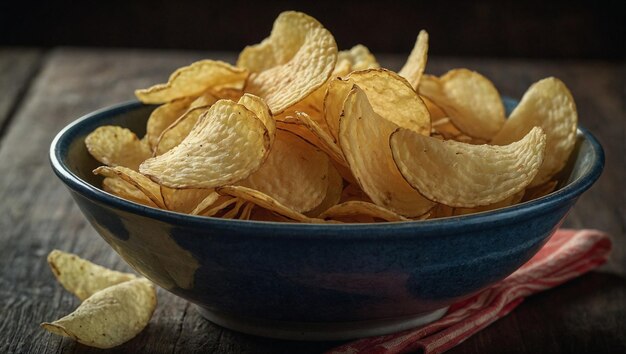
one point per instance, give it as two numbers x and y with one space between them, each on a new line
445 224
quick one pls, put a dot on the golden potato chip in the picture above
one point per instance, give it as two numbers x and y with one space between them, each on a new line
262 214
265 201
355 207
117 186
333 192
184 200
306 58
257 106
336 92
81 277
163 116
390 96
464 175
234 211
513 199
416 62
226 145
141 182
356 58
117 146
212 205
436 113
547 104
295 173
174 134
109 317
364 140
303 126
441 211
354 192
246 211
193 80
470 100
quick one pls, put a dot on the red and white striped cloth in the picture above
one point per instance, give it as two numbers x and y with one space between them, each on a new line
567 255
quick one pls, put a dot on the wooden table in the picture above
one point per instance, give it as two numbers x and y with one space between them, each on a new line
43 90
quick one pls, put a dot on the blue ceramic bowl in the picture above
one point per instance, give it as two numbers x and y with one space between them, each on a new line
305 281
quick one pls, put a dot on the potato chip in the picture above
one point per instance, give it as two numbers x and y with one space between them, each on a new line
464 175
141 182
303 126
364 139
441 211
257 106
193 80
227 144
336 94
416 62
547 104
262 214
163 116
81 277
354 207
234 211
304 53
174 134
513 199
246 211
356 58
212 205
354 192
117 186
470 100
390 95
109 317
184 200
117 146
295 173
333 192
265 201
436 113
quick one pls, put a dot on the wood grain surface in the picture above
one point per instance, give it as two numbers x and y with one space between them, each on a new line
40 92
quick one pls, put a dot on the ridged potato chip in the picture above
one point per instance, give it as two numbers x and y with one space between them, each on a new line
109 317
193 80
227 144
356 58
333 192
265 201
416 62
295 173
117 146
117 186
390 95
257 106
547 104
306 59
246 211
470 100
364 140
163 116
464 175
81 277
354 208
212 205
184 200
141 182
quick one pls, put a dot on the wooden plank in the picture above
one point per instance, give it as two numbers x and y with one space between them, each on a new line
17 67
37 215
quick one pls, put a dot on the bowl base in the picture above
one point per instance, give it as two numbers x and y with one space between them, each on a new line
319 331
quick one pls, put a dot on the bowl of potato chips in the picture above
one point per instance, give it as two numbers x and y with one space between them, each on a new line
305 192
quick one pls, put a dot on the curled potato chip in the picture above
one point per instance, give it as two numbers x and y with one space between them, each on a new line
184 200
265 201
141 182
304 54
205 203
416 62
226 145
246 211
193 80
436 113
356 58
257 106
178 131
364 140
81 277
333 192
109 317
117 146
464 175
355 207
547 104
295 173
470 100
336 93
163 116
211 205
390 96
234 211
441 211
117 186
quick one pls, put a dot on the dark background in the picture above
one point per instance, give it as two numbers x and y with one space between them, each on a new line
526 29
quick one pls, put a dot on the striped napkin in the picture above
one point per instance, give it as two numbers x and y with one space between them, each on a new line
567 255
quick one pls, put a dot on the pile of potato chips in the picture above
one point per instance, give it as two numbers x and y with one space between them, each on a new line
115 306
299 131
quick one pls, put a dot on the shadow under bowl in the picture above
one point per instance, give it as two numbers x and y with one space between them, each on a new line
312 281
